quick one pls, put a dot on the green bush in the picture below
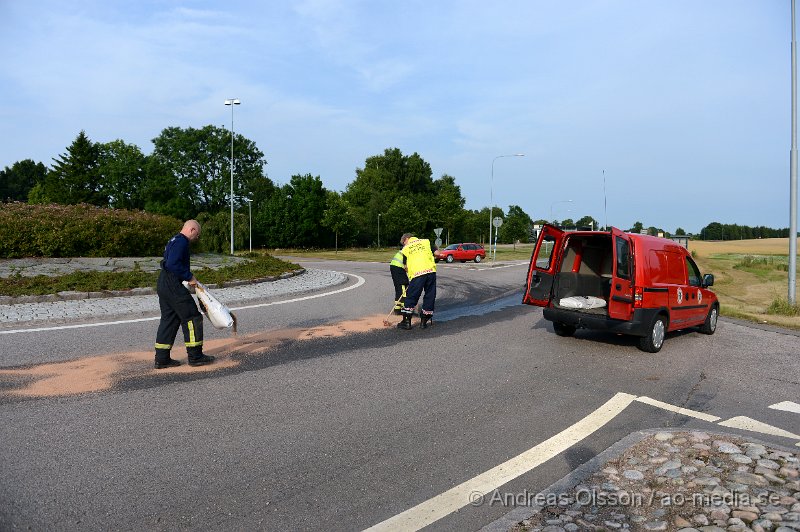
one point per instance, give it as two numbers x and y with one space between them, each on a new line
782 307
81 231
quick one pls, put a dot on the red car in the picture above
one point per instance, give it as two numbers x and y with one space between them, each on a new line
462 252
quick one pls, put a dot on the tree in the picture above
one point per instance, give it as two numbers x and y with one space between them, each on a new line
307 209
195 164
16 182
587 222
517 226
637 227
338 218
383 181
680 232
448 206
122 171
75 177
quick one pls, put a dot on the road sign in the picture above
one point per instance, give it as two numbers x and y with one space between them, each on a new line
438 231
438 242
497 222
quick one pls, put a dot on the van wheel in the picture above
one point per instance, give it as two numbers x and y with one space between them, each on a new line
562 329
711 321
449 259
652 342
477 258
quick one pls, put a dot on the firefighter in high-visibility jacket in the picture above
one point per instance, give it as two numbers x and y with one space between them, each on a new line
421 268
397 268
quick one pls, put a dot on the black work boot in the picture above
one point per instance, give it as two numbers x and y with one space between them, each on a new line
201 360
168 363
425 319
406 323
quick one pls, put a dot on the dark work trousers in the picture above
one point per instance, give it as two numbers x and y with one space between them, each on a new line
178 310
424 283
400 280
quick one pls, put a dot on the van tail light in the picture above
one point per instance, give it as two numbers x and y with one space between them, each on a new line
637 297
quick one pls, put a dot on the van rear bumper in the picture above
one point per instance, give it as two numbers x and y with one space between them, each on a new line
638 325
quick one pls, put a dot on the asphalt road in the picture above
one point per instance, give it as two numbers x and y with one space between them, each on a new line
345 427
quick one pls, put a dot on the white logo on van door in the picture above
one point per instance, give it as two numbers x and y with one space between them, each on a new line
680 295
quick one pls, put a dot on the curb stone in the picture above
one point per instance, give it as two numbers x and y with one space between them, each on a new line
572 480
69 295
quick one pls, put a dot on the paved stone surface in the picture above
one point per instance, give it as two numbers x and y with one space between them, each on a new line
686 481
88 307
32 267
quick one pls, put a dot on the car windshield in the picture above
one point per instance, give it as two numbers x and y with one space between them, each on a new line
452 246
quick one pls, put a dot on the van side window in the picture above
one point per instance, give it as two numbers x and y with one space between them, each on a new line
623 265
545 252
693 272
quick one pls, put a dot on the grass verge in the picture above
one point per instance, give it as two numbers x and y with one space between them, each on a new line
258 266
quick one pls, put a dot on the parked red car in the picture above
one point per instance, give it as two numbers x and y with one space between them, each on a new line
462 252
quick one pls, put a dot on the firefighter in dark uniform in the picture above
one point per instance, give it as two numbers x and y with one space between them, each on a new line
397 268
178 309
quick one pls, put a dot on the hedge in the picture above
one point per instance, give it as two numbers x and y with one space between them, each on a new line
81 231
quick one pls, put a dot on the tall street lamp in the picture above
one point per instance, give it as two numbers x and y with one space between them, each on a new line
491 191
379 230
232 102
560 201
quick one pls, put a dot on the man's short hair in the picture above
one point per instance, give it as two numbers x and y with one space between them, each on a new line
405 237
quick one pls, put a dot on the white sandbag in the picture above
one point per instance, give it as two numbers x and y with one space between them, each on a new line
217 313
582 302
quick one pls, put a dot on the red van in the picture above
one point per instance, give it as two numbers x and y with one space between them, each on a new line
620 282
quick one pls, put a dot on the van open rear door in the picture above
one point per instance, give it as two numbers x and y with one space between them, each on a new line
620 301
542 270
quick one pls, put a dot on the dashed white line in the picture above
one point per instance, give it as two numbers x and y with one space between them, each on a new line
746 423
677 409
453 499
786 406
360 281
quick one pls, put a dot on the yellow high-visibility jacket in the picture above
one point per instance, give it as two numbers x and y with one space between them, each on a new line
419 258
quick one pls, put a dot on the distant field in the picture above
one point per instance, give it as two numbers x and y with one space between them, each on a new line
750 276
761 246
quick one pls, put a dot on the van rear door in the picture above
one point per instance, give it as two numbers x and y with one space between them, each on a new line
542 270
620 301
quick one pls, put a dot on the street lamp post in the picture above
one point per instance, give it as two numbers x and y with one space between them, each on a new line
491 192
379 230
232 102
551 206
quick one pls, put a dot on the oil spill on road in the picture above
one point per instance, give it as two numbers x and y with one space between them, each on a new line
101 372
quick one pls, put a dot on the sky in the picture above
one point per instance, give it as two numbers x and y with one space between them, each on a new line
673 113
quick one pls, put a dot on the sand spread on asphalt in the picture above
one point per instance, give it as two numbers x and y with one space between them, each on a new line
101 372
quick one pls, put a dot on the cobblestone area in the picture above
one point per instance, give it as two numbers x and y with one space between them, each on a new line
687 482
89 307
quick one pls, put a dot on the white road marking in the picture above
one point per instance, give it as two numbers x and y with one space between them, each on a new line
448 502
678 410
786 406
154 318
746 423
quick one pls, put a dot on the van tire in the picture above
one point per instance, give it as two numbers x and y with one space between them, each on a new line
710 324
562 329
478 258
449 259
653 342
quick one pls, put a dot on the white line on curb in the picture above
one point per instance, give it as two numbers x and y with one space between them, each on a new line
678 410
138 320
476 488
746 423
